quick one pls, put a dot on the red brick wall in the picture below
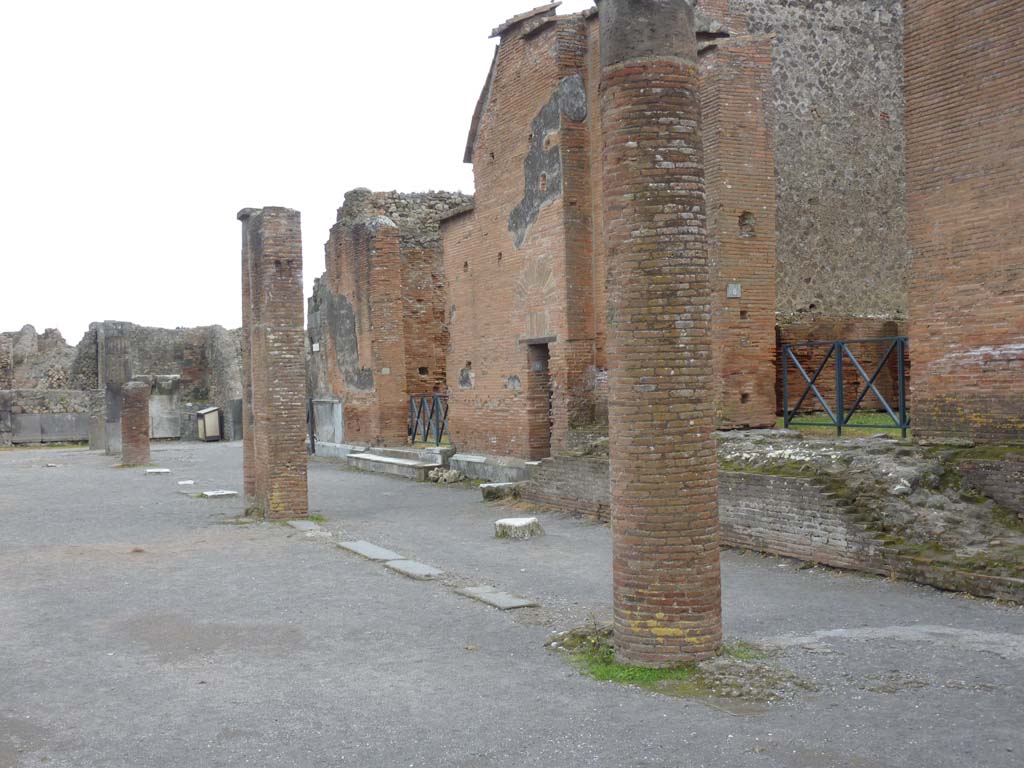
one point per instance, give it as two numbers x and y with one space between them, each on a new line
135 424
426 335
554 286
964 76
364 265
735 86
666 580
869 356
274 323
499 295
377 317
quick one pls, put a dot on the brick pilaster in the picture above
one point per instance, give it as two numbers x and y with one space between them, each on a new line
275 462
135 424
667 590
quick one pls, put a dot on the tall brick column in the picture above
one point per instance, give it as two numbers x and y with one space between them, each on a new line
135 424
273 364
667 584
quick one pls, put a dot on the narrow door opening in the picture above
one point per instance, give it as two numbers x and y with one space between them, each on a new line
539 397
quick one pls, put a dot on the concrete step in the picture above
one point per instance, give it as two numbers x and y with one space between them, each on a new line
426 455
412 468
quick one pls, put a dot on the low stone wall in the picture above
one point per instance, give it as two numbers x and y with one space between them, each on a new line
787 516
33 416
792 517
571 484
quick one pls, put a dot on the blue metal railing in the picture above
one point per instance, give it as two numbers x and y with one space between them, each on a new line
838 353
428 419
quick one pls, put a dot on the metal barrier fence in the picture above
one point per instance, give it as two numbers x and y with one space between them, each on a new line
428 419
838 353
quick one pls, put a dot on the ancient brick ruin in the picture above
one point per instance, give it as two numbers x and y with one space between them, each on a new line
135 424
664 511
376 318
965 170
806 225
52 392
273 364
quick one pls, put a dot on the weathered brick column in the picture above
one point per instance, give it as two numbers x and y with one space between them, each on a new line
248 421
135 424
667 584
273 364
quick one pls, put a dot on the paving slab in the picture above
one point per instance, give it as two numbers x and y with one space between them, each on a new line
414 570
504 601
369 551
304 525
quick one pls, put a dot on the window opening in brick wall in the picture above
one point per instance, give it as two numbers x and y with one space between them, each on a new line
748 224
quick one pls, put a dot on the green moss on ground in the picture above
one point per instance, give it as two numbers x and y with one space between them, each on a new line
741 673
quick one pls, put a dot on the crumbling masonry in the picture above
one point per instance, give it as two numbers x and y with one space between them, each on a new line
667 589
273 364
376 318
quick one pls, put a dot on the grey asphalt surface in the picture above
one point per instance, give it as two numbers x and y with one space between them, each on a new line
138 627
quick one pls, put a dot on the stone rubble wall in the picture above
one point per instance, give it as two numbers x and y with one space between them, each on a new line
835 110
1001 480
30 416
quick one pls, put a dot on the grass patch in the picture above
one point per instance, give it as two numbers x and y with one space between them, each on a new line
598 661
741 674
820 426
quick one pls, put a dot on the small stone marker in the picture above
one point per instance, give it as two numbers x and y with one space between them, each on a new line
503 601
369 551
218 494
495 491
518 528
158 471
186 482
303 525
413 569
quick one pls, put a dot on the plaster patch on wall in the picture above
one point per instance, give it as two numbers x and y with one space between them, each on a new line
542 168
536 292
977 356
337 316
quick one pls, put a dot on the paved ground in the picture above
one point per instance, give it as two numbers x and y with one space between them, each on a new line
138 629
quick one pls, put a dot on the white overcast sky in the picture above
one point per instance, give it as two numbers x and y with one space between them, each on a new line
131 133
